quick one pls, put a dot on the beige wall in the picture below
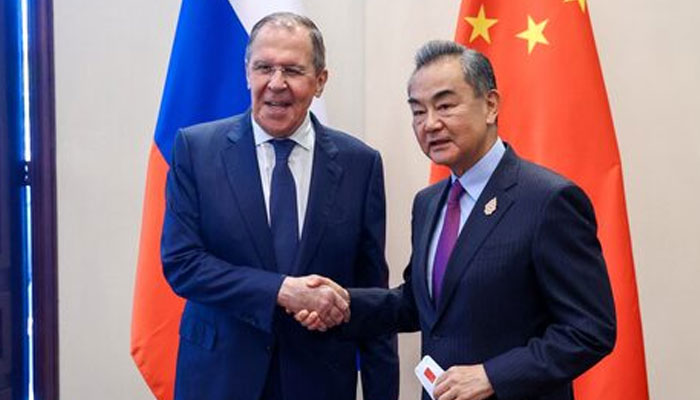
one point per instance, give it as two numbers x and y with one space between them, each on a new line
110 69
111 59
647 50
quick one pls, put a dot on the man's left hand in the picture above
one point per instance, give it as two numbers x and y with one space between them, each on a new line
463 382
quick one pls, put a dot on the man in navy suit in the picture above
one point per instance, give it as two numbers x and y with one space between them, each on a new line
506 281
256 204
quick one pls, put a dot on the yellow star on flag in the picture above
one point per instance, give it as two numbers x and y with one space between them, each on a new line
534 33
480 25
581 3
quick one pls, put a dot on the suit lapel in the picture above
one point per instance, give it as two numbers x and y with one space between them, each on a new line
432 214
479 225
241 164
325 178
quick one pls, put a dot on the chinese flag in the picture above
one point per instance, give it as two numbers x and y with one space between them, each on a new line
555 112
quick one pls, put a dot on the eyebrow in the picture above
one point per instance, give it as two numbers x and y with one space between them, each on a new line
437 96
264 62
443 93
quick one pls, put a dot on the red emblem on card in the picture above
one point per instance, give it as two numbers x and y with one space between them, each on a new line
429 374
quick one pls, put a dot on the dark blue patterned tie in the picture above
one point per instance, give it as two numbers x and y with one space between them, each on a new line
283 208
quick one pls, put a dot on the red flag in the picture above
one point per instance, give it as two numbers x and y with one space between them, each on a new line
555 112
157 310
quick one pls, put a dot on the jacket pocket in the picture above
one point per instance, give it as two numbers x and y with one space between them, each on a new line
198 332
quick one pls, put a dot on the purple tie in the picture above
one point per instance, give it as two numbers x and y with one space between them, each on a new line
448 238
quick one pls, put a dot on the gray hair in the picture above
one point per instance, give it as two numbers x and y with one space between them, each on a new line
290 20
476 68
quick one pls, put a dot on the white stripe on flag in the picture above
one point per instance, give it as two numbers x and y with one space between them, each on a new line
251 11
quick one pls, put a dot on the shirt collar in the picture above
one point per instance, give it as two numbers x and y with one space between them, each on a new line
303 136
474 180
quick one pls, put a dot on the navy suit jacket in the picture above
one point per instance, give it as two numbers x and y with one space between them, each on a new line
217 253
526 291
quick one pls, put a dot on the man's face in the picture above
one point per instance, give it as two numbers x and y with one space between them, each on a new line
454 128
282 79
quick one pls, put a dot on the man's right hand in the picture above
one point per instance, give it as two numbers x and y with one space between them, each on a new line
322 301
311 319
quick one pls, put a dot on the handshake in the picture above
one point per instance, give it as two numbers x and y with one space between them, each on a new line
317 303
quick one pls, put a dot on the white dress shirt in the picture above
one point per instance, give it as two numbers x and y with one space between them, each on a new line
300 163
473 181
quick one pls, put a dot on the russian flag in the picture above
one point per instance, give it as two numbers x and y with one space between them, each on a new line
205 81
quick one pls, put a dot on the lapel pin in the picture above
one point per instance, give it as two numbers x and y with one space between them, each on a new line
490 207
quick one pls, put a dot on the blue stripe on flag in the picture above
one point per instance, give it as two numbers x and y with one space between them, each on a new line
206 75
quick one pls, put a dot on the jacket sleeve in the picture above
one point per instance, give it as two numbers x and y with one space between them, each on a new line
192 271
572 277
379 311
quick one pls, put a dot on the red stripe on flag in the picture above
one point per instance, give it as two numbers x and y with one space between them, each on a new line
156 310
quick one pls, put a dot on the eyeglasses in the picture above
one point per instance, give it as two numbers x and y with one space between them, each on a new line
287 71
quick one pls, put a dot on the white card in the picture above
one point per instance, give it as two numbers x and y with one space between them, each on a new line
428 371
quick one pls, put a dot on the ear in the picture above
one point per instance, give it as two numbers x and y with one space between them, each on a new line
493 105
321 79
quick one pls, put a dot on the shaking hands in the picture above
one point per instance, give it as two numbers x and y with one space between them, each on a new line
318 303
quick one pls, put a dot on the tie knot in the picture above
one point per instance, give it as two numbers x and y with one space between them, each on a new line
456 192
283 147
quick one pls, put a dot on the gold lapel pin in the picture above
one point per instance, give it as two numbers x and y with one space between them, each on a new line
490 207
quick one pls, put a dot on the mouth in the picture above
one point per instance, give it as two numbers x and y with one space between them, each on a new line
278 105
437 144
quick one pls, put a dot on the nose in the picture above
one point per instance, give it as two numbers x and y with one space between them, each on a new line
277 81
432 121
